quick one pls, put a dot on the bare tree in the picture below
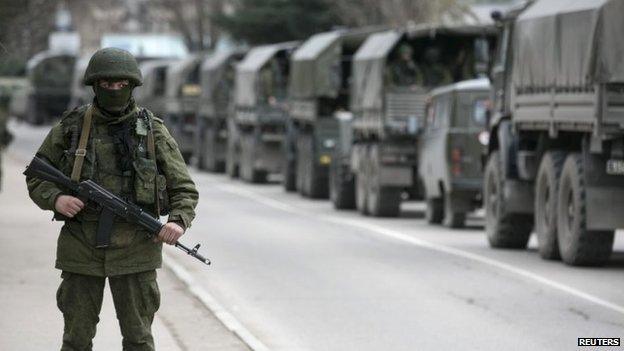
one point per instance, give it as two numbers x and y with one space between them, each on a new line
396 12
24 27
193 19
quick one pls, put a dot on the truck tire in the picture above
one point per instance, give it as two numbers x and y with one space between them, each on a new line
289 180
303 183
452 219
435 211
231 163
341 186
383 201
310 179
546 193
289 159
231 167
248 172
361 185
578 245
208 153
504 230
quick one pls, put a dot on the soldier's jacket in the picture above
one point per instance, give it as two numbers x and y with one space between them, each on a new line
131 250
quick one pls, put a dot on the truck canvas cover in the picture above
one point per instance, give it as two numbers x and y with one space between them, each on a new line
368 68
248 69
178 73
310 64
370 60
212 73
569 43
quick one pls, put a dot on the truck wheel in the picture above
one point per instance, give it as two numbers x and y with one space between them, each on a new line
248 172
452 219
289 180
361 186
504 230
546 192
303 169
341 186
578 245
309 173
231 164
382 201
199 142
209 146
435 211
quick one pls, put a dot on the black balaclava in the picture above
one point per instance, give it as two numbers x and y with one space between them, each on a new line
113 101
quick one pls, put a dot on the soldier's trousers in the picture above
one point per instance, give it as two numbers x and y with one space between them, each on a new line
136 298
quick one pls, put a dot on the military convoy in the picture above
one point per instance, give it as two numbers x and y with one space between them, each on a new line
556 154
371 117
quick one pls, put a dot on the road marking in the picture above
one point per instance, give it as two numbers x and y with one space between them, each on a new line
230 322
397 235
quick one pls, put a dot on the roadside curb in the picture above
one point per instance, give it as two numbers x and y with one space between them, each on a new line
225 317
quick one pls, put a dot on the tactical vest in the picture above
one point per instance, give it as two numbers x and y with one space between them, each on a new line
121 157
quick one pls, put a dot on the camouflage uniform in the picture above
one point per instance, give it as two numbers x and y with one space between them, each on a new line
131 259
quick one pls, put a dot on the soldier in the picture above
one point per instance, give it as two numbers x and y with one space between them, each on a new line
435 74
403 71
128 151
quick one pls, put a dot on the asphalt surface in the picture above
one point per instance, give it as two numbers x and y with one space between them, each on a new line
301 276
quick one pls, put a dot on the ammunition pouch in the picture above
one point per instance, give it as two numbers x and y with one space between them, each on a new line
144 187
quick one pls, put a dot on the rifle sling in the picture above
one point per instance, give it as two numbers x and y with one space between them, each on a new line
81 151
151 149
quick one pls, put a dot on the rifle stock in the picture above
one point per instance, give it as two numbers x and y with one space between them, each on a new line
104 199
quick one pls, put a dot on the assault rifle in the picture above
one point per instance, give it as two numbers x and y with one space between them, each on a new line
110 204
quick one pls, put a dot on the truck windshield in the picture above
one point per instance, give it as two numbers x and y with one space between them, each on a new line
472 110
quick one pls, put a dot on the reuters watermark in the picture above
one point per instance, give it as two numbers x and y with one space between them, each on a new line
599 342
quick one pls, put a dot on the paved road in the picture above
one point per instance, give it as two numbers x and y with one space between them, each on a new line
302 276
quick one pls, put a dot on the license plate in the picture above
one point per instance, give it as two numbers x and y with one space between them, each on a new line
615 167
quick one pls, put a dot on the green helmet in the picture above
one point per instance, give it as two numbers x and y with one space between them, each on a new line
113 63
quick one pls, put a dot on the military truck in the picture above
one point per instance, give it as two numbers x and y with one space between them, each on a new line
257 129
152 93
393 71
49 75
319 86
555 159
182 98
216 104
80 93
451 143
